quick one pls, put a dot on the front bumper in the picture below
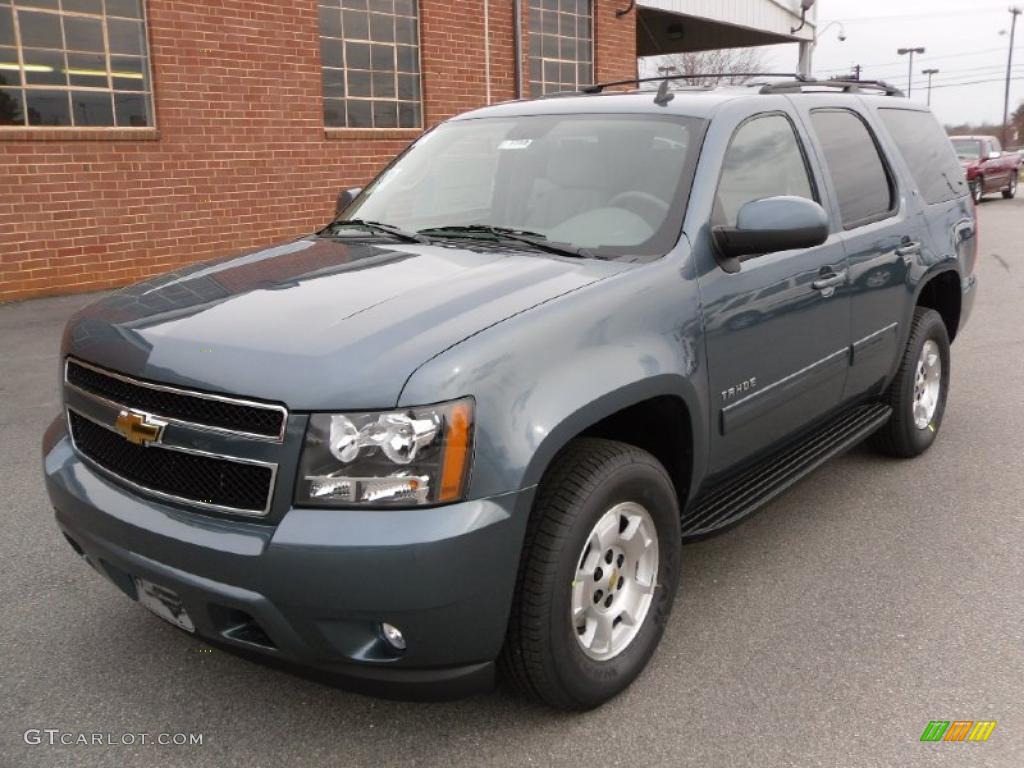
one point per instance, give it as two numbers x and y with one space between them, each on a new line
310 592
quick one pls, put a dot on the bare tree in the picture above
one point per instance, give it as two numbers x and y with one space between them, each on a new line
733 63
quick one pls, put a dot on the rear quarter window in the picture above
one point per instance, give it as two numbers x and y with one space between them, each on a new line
927 152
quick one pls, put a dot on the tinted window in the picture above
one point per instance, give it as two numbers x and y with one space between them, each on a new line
858 173
763 160
928 153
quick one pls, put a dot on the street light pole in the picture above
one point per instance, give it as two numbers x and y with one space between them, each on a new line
1015 11
807 48
910 73
930 72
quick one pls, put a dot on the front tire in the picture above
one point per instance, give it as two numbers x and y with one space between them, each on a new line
1011 190
917 394
597 578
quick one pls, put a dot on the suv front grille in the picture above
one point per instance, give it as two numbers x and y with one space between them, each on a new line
209 481
211 411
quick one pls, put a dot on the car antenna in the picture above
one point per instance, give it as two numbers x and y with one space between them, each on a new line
664 94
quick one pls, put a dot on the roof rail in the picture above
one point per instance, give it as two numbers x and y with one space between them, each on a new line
599 87
846 86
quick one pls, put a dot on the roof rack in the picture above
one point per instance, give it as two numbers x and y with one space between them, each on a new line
599 87
846 86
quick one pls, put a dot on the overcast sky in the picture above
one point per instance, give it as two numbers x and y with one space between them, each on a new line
962 41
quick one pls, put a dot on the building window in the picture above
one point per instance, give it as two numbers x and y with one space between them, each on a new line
561 45
370 54
74 63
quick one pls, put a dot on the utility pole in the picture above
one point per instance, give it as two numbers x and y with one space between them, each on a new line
856 71
930 72
1015 11
910 73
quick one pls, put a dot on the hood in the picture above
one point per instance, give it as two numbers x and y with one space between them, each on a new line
317 323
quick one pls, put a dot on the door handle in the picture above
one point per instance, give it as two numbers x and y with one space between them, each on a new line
908 251
828 283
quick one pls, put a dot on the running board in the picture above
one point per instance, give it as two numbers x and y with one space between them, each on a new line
735 498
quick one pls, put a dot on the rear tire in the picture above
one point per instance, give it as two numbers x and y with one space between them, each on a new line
572 640
917 394
1011 190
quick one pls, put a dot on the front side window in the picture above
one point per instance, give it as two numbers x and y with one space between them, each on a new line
859 175
370 58
612 184
561 46
82 63
764 159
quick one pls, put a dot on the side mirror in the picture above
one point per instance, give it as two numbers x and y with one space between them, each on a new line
345 199
768 225
994 155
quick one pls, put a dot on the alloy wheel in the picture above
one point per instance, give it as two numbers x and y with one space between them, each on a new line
927 384
615 581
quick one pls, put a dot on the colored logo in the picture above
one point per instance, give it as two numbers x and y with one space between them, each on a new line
139 428
958 730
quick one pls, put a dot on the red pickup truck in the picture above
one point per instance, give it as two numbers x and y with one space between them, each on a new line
988 168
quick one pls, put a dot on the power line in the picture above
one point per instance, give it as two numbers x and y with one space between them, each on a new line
979 82
940 57
947 77
918 15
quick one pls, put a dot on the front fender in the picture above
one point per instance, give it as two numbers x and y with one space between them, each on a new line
542 377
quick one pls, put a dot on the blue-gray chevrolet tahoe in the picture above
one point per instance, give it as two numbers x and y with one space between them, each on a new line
464 429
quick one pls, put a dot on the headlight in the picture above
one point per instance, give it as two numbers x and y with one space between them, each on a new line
392 459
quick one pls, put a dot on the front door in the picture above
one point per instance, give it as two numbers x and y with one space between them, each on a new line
778 331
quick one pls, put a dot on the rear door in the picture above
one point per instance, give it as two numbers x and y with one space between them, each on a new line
882 231
921 144
777 345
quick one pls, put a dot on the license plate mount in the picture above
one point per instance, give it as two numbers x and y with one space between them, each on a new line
165 603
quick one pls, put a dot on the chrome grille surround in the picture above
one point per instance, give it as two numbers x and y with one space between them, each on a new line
166 412
182 437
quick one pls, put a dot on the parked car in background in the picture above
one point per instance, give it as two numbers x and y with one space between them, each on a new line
988 167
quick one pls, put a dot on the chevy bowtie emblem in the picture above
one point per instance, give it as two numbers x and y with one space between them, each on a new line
139 428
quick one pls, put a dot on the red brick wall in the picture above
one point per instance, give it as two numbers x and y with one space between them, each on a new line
240 156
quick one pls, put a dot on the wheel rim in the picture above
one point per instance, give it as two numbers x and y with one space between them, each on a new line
927 384
1013 186
976 189
616 575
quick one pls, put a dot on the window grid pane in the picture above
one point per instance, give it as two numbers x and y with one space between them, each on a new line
370 57
561 45
74 63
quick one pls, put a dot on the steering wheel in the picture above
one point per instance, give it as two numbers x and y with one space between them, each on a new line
645 205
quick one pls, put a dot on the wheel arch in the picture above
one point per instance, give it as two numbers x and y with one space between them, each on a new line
942 290
656 415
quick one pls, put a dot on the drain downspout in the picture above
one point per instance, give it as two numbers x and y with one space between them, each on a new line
517 34
487 47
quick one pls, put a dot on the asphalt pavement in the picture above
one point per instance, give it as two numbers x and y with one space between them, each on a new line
828 630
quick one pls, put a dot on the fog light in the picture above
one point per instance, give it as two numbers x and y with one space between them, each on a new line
393 636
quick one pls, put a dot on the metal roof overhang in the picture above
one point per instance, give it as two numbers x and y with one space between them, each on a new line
680 26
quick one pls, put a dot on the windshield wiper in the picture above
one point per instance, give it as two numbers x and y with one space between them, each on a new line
376 226
535 239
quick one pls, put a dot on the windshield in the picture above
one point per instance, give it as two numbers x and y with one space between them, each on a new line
967 149
613 185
